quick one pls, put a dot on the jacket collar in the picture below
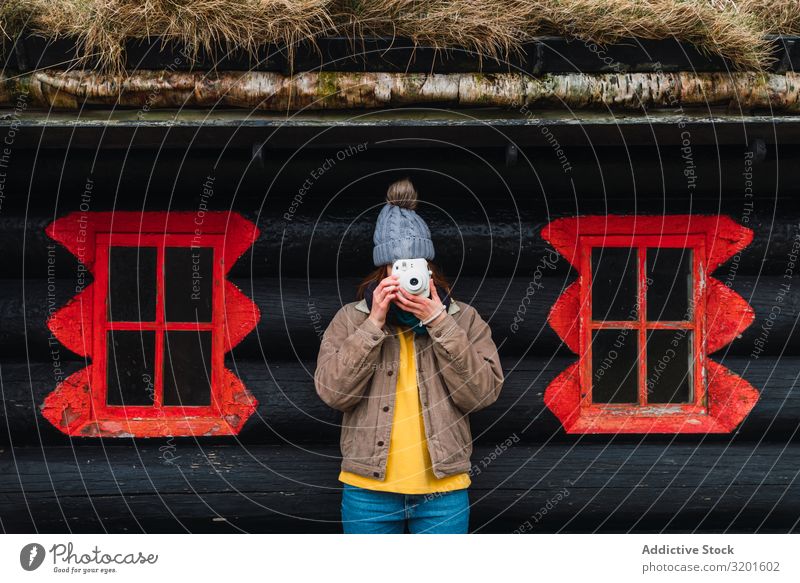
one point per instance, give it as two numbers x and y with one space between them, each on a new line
362 307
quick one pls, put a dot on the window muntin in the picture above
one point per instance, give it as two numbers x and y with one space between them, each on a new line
641 324
154 326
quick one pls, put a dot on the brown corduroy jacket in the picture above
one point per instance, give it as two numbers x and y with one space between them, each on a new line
458 372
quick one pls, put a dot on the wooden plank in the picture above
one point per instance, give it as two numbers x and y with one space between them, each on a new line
498 236
490 189
290 411
92 130
295 313
557 488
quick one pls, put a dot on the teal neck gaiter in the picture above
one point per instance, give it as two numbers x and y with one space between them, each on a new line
406 319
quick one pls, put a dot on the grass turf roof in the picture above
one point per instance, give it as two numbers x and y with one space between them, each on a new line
734 29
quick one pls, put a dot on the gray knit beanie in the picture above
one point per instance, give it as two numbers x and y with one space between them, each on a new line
400 233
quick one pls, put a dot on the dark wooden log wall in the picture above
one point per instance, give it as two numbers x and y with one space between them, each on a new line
485 212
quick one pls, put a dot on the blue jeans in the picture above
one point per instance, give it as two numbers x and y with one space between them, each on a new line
373 512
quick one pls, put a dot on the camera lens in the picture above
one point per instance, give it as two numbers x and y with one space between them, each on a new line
414 281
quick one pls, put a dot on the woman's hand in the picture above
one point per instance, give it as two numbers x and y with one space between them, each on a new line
381 298
422 308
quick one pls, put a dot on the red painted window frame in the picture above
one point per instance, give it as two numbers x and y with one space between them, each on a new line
101 326
721 398
78 406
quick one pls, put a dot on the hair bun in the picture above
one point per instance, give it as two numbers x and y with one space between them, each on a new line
403 194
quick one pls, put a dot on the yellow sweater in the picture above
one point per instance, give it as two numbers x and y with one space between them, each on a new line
408 467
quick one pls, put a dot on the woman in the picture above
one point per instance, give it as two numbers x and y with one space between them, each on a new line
406 370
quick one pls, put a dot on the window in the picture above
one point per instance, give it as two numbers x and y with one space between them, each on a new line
156 322
643 316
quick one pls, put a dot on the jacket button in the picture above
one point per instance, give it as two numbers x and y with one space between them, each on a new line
437 333
376 337
390 373
380 443
376 474
385 409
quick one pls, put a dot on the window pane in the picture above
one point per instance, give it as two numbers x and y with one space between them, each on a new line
187 283
187 368
669 284
614 282
669 356
129 372
131 284
615 370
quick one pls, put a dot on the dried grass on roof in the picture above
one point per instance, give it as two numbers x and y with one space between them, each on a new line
775 16
102 26
734 29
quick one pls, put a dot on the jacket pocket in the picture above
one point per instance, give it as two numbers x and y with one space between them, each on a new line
464 435
352 423
455 435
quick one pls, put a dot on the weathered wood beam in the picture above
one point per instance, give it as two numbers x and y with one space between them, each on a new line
348 90
337 241
425 126
295 312
290 410
624 487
